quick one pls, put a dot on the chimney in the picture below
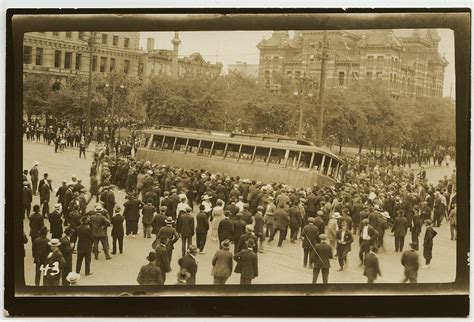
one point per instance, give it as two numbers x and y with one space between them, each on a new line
150 44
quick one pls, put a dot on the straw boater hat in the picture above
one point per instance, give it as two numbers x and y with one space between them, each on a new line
336 215
386 214
323 237
169 220
98 207
57 206
206 197
73 277
54 242
36 163
249 228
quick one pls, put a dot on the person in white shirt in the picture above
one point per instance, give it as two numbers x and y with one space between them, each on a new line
240 203
206 202
183 204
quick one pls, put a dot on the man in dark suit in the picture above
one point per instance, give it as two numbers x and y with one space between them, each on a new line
411 263
36 223
367 236
310 235
150 274
61 194
158 220
27 200
238 229
45 193
117 231
281 220
148 212
430 234
319 221
344 240
224 230
322 254
34 175
202 227
171 234
40 252
399 229
188 263
66 250
162 259
249 234
222 263
99 224
56 262
372 268
185 228
55 222
68 197
247 263
168 203
131 214
85 240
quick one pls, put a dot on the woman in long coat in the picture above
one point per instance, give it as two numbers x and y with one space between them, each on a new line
217 215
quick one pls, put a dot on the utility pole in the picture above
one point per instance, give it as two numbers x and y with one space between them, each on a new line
90 42
322 81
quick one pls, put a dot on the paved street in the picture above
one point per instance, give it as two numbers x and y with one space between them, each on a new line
287 261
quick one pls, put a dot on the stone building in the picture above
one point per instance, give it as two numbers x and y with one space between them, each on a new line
65 54
155 62
250 70
406 62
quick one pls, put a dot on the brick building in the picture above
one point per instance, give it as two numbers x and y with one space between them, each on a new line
65 54
406 62
250 70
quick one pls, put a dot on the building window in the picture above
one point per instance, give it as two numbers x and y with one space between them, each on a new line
297 74
67 60
115 41
104 39
126 42
27 51
103 62
81 35
378 75
78 61
68 34
380 60
57 58
39 56
55 33
112 64
341 78
289 73
94 63
369 75
126 66
370 61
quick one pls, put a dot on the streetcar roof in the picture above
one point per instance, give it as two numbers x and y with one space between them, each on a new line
261 140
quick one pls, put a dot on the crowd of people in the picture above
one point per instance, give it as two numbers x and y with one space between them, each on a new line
374 196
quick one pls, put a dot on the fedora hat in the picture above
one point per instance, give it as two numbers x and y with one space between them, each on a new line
183 275
54 242
192 249
98 207
73 277
225 244
151 257
169 220
250 243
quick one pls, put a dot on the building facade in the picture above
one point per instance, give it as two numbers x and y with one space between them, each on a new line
250 70
156 62
406 62
65 54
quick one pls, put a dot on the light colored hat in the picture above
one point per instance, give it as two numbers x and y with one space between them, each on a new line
63 181
73 277
70 183
98 207
169 220
225 244
54 242
386 214
36 163
149 172
249 228
336 215
25 183
57 206
323 237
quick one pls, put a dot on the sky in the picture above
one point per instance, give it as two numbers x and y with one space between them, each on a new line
228 47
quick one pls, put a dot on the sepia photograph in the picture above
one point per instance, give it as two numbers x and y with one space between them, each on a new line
176 158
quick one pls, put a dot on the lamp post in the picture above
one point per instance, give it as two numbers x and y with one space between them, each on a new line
300 123
112 105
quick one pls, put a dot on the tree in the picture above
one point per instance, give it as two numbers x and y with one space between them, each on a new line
37 90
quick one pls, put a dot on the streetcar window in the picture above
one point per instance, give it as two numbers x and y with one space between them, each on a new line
326 165
232 151
261 155
293 159
145 140
169 142
317 161
277 157
305 160
193 145
246 153
180 145
156 143
218 150
205 149
332 170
